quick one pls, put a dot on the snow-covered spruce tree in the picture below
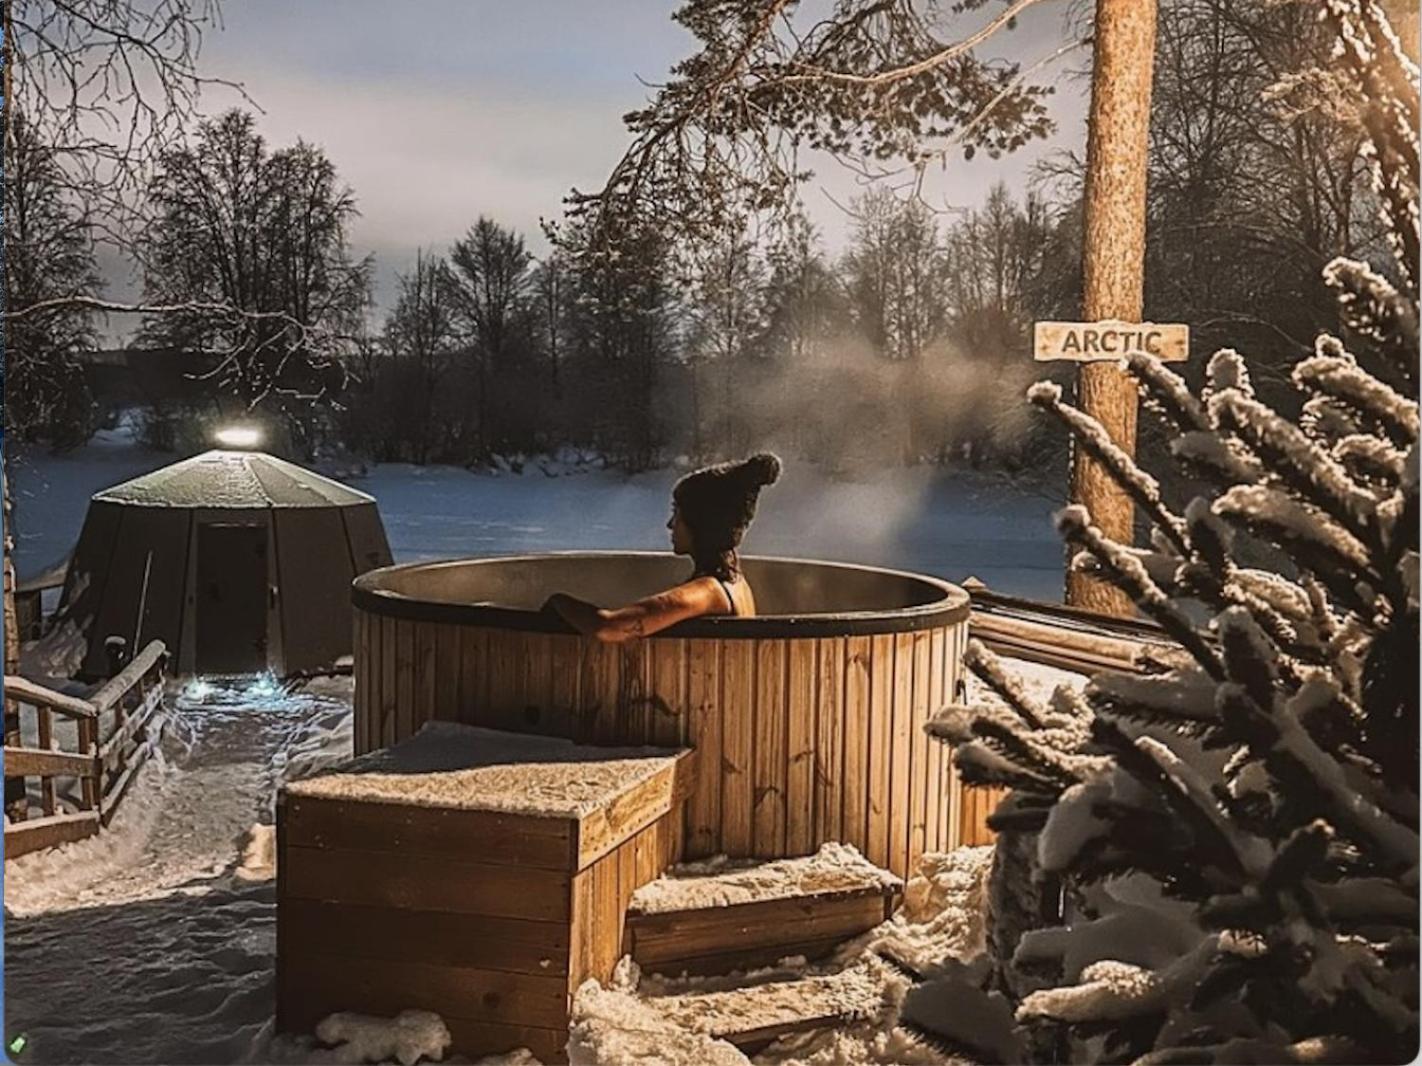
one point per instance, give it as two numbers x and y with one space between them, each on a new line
1236 827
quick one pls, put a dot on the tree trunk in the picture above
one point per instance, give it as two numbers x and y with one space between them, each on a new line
14 786
1113 262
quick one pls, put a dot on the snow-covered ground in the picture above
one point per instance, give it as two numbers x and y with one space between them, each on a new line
953 525
154 941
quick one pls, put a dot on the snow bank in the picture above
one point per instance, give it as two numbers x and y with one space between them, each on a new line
406 1038
614 1027
944 911
258 854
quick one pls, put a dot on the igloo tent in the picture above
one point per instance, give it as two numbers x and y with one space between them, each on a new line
240 562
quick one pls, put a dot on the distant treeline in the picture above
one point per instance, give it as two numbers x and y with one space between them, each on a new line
909 345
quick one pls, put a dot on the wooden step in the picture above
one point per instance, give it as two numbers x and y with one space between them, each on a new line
715 918
755 1015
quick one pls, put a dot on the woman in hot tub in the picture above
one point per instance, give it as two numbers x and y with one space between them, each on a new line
711 509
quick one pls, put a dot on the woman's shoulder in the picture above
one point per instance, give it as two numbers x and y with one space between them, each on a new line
714 595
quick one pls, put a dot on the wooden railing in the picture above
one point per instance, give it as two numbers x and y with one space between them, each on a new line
1069 638
115 730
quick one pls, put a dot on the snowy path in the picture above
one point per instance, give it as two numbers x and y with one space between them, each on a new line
146 944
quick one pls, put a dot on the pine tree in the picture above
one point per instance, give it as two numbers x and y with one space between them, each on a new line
1236 826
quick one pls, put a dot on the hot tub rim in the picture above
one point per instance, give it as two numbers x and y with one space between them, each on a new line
951 609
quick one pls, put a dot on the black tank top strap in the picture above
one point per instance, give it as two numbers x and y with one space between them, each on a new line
726 588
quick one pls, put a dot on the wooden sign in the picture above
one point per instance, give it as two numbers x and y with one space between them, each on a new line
1092 341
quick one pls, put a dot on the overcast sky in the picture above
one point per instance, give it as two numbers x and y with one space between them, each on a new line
435 111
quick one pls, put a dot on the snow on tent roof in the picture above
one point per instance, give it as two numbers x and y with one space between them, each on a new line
233 479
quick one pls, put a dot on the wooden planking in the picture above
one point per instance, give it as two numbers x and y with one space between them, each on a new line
604 829
482 836
479 1039
36 833
919 743
758 933
473 674
375 695
803 741
829 741
426 673
360 672
563 695
769 758
541 712
738 694
979 803
385 987
423 882
22 690
132 729
599 896
935 795
600 686
704 709
565 690
590 689
666 696
439 938
23 762
856 742
953 674
404 679
740 960
503 708
446 657
801 734
631 719
387 683
900 799
46 742
607 899
881 689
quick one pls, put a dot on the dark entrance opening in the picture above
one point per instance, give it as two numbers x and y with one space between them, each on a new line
231 599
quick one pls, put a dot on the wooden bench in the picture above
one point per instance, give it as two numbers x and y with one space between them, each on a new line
480 874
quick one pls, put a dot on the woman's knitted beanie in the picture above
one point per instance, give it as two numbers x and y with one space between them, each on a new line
718 502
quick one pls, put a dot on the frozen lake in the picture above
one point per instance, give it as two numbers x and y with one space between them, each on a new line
952 525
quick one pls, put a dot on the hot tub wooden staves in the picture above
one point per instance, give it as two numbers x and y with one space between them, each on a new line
807 721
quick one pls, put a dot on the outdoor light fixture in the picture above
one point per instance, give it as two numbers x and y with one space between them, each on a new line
238 436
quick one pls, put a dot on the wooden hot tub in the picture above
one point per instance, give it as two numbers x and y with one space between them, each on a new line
806 720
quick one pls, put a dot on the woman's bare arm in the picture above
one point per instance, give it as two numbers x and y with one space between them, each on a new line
643 618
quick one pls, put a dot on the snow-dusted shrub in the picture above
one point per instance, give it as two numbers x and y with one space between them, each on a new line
1236 829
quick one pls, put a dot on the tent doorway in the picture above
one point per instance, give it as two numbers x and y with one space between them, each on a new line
232 582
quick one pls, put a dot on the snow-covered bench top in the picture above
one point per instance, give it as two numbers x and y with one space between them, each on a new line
833 870
458 767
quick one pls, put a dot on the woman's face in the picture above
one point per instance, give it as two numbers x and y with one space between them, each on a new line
680 533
